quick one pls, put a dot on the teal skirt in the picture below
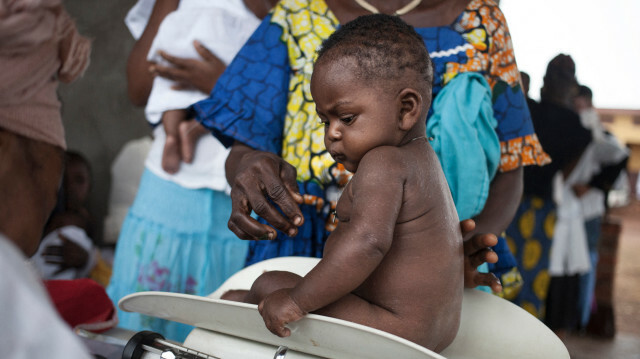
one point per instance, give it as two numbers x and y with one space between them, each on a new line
174 240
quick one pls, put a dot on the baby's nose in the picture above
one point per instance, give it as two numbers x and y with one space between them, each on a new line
333 131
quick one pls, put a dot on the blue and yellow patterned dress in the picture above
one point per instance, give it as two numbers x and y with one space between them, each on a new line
263 100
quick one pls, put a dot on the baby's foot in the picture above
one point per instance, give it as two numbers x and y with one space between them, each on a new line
190 131
171 154
236 295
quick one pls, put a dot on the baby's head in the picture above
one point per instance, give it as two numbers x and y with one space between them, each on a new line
372 86
583 100
76 180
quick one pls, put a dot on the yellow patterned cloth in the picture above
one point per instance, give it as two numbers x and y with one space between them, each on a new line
529 237
305 24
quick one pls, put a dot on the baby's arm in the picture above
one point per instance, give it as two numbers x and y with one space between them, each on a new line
354 249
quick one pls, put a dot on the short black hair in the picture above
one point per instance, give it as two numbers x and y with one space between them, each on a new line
384 47
585 91
72 157
559 82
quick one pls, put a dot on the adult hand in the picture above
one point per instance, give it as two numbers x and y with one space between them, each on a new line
68 254
279 309
260 182
477 251
191 73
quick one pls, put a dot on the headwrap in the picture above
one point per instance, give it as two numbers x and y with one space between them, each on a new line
39 46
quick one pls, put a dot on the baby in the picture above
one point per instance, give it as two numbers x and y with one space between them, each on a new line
397 221
212 30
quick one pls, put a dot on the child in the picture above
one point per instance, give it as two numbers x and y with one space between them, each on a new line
397 221
190 32
67 250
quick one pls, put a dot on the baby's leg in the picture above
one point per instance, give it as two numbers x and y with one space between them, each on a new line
190 133
171 156
266 284
358 310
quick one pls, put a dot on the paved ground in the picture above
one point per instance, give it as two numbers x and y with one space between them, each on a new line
626 344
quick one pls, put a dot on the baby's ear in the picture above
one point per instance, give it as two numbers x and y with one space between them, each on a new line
410 108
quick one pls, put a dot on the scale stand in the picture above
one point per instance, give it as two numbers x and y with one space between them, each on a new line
151 345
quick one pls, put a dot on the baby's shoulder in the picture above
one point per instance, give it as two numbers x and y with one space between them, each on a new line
384 158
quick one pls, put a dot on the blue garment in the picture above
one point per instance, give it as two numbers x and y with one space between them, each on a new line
465 140
263 98
308 242
175 240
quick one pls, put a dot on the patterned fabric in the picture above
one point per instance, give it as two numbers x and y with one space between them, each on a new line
173 243
472 130
529 237
506 269
269 81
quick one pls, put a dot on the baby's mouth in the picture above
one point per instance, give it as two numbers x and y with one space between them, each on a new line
338 157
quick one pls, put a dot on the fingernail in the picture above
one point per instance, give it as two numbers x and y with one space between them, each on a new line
266 236
292 232
297 221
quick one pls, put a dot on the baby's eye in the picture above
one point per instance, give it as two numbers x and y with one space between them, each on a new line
348 119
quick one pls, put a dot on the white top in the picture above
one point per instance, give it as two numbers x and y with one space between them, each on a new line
222 26
569 251
205 171
604 150
31 327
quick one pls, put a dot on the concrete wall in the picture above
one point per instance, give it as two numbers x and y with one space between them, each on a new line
97 115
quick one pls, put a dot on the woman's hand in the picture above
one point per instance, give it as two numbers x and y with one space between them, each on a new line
477 250
260 181
200 74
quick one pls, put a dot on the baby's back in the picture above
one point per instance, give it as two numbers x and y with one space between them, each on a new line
421 278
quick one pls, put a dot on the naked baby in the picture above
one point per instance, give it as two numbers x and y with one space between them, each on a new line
395 260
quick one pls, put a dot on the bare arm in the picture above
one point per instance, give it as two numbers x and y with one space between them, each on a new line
357 246
139 79
504 197
353 251
505 193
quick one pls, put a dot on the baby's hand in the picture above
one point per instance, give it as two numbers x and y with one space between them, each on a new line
68 254
277 310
